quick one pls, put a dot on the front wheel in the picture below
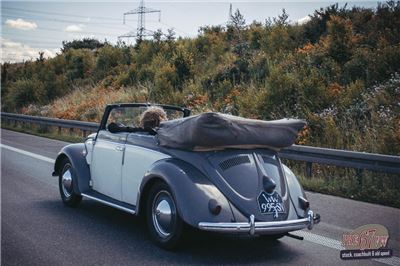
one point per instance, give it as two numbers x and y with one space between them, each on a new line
163 220
65 184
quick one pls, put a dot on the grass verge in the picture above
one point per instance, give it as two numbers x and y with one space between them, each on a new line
49 134
370 191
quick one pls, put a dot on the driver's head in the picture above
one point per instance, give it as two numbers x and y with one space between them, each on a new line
152 117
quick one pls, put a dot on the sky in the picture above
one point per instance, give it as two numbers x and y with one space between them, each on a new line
28 27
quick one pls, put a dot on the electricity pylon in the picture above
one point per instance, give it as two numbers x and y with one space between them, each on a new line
141 30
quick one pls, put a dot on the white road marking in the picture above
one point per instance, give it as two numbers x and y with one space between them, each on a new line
321 240
336 244
31 154
308 236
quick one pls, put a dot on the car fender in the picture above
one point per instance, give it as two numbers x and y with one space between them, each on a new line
295 191
76 153
191 189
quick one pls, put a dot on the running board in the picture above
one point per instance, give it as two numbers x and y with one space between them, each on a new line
93 195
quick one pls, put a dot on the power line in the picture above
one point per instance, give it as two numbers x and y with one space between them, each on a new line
39 41
103 25
13 37
59 14
184 32
34 41
79 32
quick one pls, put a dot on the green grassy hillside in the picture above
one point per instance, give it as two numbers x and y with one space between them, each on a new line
338 71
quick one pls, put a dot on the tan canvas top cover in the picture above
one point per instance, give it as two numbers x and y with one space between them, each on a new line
216 131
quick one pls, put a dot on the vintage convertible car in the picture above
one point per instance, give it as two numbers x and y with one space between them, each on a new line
213 172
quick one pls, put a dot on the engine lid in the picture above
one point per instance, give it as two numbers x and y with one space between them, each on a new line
253 181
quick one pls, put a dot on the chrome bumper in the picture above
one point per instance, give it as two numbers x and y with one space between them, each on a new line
253 227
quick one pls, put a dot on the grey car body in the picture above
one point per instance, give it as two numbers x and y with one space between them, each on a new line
222 191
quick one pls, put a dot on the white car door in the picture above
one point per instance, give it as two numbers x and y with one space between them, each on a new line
107 156
136 162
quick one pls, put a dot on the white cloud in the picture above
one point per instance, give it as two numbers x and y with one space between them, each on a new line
17 52
304 20
74 28
21 24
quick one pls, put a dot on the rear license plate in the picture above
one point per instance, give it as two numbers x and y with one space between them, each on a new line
270 203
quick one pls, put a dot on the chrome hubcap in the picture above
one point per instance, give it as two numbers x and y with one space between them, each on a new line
66 182
163 213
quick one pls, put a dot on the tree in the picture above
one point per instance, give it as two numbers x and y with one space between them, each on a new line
316 27
236 35
339 38
238 21
41 57
25 91
183 63
85 43
255 33
170 35
108 57
235 26
157 35
79 63
283 19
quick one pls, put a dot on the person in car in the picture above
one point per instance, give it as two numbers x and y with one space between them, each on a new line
149 121
152 117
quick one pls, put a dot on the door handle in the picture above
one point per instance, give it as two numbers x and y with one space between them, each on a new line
119 148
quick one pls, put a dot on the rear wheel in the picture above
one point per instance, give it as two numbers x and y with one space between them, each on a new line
165 225
65 184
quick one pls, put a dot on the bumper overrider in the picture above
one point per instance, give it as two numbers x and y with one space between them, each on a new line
253 227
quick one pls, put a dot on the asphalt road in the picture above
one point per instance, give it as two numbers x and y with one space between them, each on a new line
37 229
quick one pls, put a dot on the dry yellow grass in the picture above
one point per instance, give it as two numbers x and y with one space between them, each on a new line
88 103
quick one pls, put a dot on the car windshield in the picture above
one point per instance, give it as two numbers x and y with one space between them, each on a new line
130 116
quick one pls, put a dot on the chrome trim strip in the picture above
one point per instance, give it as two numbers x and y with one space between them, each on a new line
109 204
252 227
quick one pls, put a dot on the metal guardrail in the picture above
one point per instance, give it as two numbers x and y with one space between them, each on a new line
341 158
63 123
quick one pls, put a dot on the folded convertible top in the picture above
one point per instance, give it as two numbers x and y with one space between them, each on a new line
216 131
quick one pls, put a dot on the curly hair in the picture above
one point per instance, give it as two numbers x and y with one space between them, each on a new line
152 117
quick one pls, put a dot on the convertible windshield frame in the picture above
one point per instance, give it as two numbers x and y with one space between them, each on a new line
185 111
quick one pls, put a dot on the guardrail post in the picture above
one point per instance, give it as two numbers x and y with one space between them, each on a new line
43 128
308 169
359 176
84 133
59 131
71 130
